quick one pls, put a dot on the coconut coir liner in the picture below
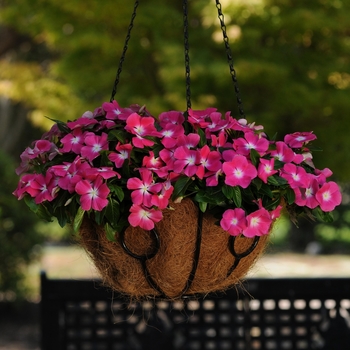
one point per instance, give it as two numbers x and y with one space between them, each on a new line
172 265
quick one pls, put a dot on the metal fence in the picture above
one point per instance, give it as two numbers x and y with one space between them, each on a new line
278 314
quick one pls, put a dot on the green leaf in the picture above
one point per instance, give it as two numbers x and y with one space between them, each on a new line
31 204
203 206
237 197
203 139
276 181
118 191
43 213
181 186
228 191
78 219
265 190
119 135
254 157
290 196
113 210
270 205
110 232
258 183
323 216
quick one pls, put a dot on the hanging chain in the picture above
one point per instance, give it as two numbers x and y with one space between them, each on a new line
122 58
187 57
229 58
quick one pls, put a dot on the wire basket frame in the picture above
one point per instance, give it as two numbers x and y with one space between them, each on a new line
155 236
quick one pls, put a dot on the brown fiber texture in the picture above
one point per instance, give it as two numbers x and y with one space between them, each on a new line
172 265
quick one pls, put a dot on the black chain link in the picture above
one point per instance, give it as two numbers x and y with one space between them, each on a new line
120 67
187 57
229 58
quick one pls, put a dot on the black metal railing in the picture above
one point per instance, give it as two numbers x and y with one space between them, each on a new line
283 313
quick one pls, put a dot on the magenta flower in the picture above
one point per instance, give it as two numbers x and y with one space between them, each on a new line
143 188
307 196
258 223
295 175
85 120
233 221
122 154
266 168
171 117
283 152
220 140
104 172
239 172
69 174
114 111
93 194
25 186
145 218
161 200
190 141
251 141
171 133
209 160
141 127
186 161
298 139
94 145
45 186
73 142
328 196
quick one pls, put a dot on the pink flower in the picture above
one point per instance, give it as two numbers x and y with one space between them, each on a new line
208 160
171 117
298 139
25 186
85 120
170 135
143 188
73 142
266 168
239 172
220 140
141 127
145 218
104 172
233 221
198 118
258 223
216 123
295 175
161 200
251 141
283 153
329 196
186 161
69 174
45 186
276 213
307 196
114 111
94 145
122 154
93 194
190 141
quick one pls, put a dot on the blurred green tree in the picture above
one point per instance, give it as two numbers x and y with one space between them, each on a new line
292 59
18 236
291 56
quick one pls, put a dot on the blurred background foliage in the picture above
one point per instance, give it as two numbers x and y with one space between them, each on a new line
292 59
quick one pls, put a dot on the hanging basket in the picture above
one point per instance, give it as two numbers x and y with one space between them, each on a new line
177 205
176 260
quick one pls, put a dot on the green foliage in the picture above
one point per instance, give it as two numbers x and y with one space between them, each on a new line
18 237
291 57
